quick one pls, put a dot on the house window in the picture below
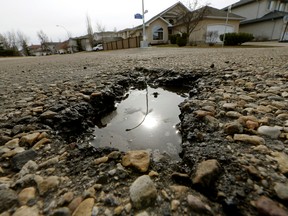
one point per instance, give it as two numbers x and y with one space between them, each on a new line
282 7
157 33
271 5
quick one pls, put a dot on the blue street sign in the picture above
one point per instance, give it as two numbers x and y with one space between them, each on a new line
138 16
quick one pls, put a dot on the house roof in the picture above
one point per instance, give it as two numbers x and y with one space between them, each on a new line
239 3
62 45
270 16
162 13
210 13
34 47
216 13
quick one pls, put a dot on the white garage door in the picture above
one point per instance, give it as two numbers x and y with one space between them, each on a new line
214 32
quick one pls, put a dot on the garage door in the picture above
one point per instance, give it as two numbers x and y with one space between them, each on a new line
214 32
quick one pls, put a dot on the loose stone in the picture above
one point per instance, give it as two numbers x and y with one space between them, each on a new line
13 152
101 160
282 160
12 143
272 132
27 211
254 140
26 195
266 206
233 128
64 211
8 199
206 173
118 210
85 208
137 159
174 205
281 190
48 184
29 168
197 205
75 203
143 193
22 158
29 139
230 106
179 191
48 115
41 143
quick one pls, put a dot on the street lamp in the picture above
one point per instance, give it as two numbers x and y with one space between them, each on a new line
68 35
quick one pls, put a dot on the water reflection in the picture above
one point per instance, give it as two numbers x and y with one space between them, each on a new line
151 121
134 125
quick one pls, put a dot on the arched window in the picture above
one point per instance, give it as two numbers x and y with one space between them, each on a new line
157 33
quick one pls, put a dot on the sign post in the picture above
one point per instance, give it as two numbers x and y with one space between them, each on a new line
144 43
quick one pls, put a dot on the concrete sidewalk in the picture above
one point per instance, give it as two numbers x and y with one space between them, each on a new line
268 43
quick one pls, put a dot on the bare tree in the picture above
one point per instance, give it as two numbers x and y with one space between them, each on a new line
101 29
211 37
189 17
43 40
23 43
4 42
11 40
89 31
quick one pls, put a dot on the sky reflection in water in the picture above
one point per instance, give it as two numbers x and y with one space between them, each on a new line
157 132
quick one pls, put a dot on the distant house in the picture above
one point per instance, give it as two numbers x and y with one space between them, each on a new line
35 50
62 48
79 44
106 36
264 18
160 27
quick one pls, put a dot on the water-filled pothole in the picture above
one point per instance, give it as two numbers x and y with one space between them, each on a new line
146 119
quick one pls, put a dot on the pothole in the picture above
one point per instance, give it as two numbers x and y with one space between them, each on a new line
145 119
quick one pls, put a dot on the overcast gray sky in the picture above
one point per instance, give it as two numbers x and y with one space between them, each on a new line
30 16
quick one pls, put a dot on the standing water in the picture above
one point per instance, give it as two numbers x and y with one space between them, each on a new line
146 119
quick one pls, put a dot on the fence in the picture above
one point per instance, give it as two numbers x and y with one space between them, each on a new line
132 42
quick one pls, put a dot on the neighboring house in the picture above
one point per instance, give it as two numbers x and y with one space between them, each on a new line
80 44
51 46
264 18
125 33
36 50
160 27
213 24
62 48
107 36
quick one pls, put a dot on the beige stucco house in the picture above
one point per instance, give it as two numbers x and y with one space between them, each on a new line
168 22
264 18
213 24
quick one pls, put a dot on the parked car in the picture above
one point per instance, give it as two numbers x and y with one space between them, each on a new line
99 47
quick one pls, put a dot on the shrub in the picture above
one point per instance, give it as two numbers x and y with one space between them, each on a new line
173 38
178 39
5 53
234 39
181 41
